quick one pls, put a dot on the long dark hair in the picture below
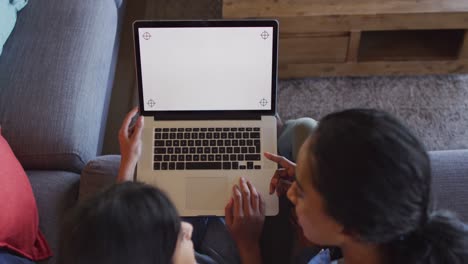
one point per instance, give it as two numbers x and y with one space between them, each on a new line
127 223
375 178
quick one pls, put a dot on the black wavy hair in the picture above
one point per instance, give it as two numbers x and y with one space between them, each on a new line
375 178
127 223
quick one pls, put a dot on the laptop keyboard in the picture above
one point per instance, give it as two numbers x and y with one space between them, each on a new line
231 148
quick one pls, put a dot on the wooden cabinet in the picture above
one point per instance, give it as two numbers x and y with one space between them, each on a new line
364 37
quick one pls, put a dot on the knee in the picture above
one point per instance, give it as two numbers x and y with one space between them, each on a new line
304 127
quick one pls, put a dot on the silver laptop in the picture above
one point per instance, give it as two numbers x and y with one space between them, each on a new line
207 91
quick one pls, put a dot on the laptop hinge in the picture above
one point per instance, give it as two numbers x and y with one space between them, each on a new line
207 117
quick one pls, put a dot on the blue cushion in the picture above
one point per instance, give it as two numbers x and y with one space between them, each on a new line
8 10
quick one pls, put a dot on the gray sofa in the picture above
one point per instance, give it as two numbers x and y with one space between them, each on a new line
56 75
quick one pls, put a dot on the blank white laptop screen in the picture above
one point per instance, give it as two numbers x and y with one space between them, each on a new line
206 69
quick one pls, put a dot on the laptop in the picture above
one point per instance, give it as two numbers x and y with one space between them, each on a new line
207 91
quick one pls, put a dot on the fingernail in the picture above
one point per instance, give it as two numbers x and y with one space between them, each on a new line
243 179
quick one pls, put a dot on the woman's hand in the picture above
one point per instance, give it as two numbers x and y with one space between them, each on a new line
130 146
245 215
284 176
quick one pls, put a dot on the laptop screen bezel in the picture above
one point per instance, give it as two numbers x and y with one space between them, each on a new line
218 114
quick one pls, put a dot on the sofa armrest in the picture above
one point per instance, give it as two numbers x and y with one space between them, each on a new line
98 174
450 180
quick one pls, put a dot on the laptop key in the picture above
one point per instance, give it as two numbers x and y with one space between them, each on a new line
173 157
220 143
222 150
177 150
252 150
241 128
227 143
256 129
211 129
188 157
186 135
196 158
223 135
233 157
165 136
209 135
218 157
197 142
229 149
235 165
180 129
181 158
191 143
199 150
249 165
238 135
257 145
157 166
201 135
159 150
185 150
194 135
207 150
242 142
235 142
159 143
231 135
170 150
180 135
172 165
255 135
165 129
245 135
203 129
158 157
216 135
180 165
203 165
236 149
183 143
249 142
168 143
167 157
240 157
226 165
192 150
248 129
244 149
225 157
157 130
158 136
203 157
188 129
176 143
172 135
212 142
196 129
164 166
252 157
242 167
211 157
214 150
206 143
257 167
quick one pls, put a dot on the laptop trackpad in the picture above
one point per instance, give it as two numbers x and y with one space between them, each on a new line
204 193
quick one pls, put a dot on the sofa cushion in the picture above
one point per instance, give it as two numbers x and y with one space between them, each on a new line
19 224
54 75
56 192
450 181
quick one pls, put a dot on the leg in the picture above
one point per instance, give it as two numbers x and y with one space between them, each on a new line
278 238
8 258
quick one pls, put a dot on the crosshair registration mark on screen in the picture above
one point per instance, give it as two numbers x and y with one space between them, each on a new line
146 35
263 102
264 35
